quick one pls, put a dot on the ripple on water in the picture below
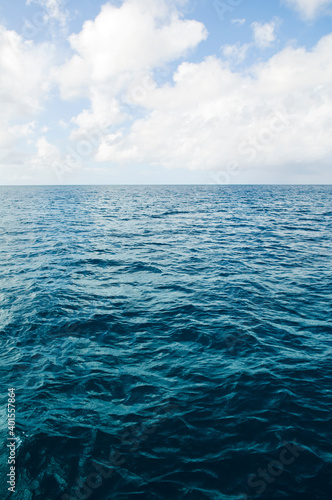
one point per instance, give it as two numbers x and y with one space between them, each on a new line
175 340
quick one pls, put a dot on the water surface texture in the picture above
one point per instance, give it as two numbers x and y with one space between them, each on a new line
168 342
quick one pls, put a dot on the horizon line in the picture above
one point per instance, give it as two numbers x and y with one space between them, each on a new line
157 185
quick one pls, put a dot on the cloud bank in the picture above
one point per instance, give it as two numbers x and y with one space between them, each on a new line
145 105
308 9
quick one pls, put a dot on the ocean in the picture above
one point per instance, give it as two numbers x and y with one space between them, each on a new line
167 342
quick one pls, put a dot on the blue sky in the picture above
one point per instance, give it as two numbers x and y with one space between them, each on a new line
155 91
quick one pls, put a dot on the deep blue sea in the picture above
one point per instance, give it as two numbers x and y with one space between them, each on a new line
167 342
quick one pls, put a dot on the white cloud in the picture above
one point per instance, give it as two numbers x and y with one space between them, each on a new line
264 33
116 52
276 114
105 110
24 86
238 22
236 53
53 10
23 130
308 9
268 117
126 40
63 124
23 75
47 153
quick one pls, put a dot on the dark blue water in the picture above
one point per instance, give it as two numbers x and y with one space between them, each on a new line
167 342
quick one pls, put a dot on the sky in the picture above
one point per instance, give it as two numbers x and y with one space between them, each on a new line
165 92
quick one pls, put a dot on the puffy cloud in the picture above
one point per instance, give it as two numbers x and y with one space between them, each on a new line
210 117
24 86
47 153
273 115
115 52
105 110
138 36
23 75
236 53
24 130
264 33
49 163
308 8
